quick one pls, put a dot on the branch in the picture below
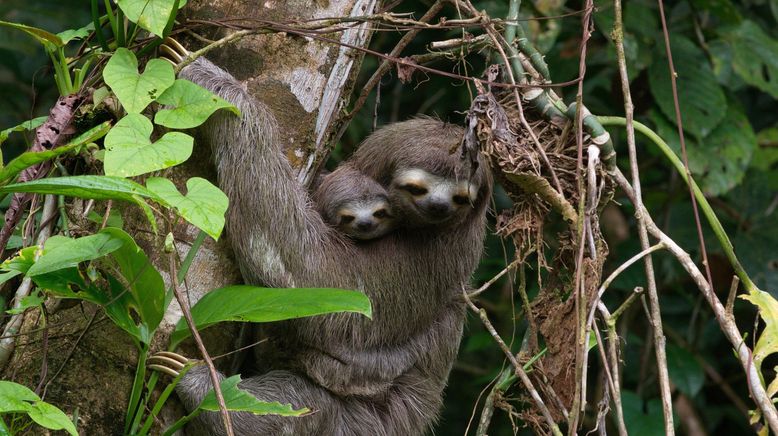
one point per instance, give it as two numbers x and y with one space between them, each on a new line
655 317
726 323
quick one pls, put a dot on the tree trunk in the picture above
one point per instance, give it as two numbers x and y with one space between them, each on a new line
90 365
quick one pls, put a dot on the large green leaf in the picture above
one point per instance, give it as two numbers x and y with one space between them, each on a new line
642 420
192 105
30 158
238 400
204 204
17 398
753 56
135 91
255 304
703 104
719 161
27 125
129 152
140 280
92 187
152 15
686 373
13 397
49 416
73 252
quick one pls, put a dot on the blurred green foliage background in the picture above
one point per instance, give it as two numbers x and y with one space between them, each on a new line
726 56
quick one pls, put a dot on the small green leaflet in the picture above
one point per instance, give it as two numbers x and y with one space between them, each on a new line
27 125
192 104
31 158
255 304
204 204
767 343
19 399
129 152
135 91
71 34
238 400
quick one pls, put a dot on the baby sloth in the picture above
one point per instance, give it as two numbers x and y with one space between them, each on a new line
354 204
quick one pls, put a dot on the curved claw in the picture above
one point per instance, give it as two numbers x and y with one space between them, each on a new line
167 362
172 355
163 369
173 51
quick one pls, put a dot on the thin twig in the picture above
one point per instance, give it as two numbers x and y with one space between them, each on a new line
727 324
613 350
491 281
655 318
8 344
518 369
203 352
70 354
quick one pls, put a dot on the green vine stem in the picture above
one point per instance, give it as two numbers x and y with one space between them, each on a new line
714 222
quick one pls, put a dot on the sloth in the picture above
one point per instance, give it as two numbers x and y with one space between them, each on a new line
354 204
382 376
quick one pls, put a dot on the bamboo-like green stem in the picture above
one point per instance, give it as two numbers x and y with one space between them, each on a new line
707 210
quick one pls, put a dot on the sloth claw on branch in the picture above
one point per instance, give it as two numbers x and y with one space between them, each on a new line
168 362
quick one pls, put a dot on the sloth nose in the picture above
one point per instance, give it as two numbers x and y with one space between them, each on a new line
438 208
365 226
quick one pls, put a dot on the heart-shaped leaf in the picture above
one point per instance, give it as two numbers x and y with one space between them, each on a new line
192 104
204 204
129 152
152 15
135 91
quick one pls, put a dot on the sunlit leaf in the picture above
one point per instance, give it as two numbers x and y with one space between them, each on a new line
129 152
767 343
135 91
75 251
17 398
204 205
71 34
192 105
255 304
151 15
48 416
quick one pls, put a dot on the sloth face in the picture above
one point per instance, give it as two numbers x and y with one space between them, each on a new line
425 198
365 219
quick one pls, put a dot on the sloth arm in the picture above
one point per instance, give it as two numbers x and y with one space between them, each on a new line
353 371
273 228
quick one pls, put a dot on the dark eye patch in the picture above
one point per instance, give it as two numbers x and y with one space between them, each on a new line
381 213
345 219
461 200
414 189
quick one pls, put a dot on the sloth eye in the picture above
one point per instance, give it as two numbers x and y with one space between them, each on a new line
381 213
345 219
415 189
461 200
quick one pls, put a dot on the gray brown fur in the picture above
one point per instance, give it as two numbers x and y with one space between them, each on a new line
383 376
348 189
